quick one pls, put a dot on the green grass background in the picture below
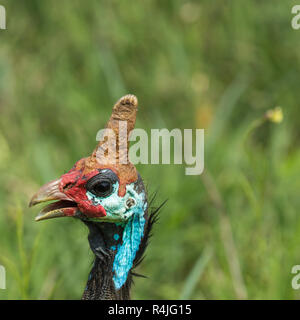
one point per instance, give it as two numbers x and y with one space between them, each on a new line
233 232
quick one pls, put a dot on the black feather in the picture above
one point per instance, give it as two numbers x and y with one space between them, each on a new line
153 218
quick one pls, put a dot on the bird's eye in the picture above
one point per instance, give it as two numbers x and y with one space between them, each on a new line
101 185
100 188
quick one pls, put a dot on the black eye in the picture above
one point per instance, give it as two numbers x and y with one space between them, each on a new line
102 188
101 185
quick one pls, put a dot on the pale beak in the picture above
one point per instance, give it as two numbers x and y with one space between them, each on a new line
61 208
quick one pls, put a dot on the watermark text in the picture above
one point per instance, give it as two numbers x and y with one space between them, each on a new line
2 278
296 19
188 147
296 278
2 18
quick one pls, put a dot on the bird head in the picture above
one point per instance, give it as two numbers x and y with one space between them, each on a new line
102 190
104 186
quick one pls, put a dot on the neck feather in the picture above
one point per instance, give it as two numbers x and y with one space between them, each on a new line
117 249
100 285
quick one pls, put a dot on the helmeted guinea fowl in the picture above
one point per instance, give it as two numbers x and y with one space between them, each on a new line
106 192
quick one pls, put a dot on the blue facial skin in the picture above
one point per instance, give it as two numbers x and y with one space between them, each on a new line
133 220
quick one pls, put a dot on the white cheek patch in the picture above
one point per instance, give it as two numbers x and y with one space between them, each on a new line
116 207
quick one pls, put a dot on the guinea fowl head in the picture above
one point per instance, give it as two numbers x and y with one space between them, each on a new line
106 192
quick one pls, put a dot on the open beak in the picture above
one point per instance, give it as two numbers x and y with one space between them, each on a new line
64 207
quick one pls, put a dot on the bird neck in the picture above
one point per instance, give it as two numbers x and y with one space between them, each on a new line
100 284
115 248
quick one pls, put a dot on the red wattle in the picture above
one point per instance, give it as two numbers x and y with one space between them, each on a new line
90 210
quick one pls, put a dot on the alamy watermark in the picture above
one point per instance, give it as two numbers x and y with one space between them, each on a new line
296 19
160 140
2 278
296 278
2 18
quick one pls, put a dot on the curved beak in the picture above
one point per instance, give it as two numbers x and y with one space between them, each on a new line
61 208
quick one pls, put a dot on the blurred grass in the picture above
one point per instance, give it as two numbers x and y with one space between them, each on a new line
192 64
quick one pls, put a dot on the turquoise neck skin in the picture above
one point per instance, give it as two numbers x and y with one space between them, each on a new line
126 253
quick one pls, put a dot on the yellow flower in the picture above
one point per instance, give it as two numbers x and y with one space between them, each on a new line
275 115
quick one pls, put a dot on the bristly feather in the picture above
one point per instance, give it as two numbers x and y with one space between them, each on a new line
153 218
